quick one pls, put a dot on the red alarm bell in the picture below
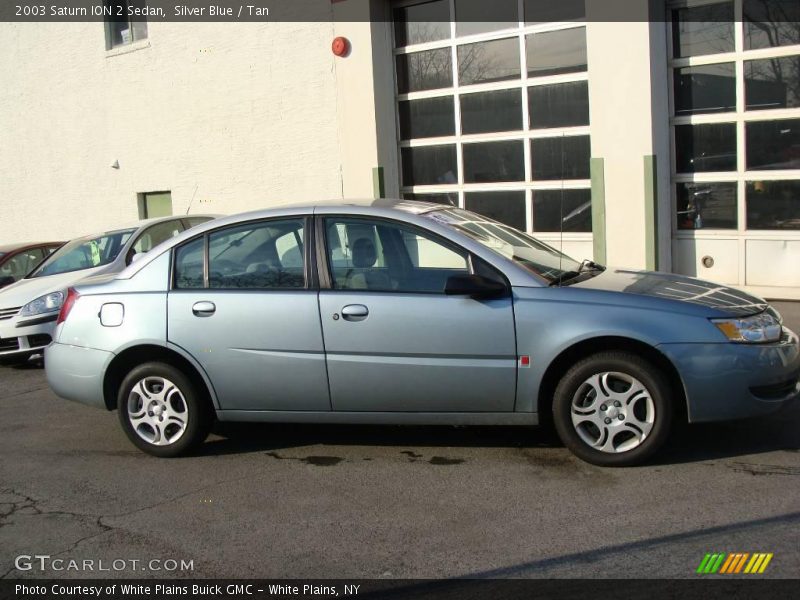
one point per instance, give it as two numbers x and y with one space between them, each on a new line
340 46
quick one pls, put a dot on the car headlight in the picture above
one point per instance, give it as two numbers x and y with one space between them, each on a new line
751 330
43 304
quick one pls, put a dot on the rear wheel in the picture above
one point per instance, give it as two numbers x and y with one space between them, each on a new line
613 409
161 410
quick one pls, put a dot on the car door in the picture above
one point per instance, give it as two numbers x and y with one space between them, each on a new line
243 305
393 340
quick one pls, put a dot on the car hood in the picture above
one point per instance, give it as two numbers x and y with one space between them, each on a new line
668 286
25 290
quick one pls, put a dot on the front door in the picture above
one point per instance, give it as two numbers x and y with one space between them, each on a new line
248 316
394 341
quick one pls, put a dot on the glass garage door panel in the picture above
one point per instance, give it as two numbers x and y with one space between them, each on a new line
493 108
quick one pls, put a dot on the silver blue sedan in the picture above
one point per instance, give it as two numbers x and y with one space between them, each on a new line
411 313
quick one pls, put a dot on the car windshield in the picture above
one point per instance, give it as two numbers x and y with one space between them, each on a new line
84 253
537 257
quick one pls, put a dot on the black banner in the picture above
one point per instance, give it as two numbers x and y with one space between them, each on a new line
451 589
502 13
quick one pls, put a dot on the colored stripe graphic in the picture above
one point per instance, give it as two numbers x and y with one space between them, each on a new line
728 564
765 563
734 562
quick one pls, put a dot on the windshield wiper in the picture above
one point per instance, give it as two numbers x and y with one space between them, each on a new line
586 267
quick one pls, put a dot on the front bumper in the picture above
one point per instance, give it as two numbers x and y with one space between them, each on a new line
76 373
733 381
26 335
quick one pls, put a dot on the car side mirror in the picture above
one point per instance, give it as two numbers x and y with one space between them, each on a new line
136 257
475 286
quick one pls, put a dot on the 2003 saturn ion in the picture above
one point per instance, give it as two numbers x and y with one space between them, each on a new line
406 312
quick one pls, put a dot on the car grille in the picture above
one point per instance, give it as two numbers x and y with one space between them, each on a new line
7 313
777 390
9 344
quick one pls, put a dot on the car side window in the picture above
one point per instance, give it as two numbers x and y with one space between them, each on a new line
263 255
23 263
153 236
189 260
373 255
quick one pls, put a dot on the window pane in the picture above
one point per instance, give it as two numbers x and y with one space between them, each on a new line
424 70
773 204
707 206
488 61
494 161
559 105
478 16
189 265
491 111
358 261
554 52
157 205
506 207
547 11
156 234
770 23
248 257
560 158
705 147
429 165
772 83
139 28
450 199
705 89
428 117
423 22
703 30
573 208
773 144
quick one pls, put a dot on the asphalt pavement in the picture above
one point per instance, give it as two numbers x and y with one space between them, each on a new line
383 502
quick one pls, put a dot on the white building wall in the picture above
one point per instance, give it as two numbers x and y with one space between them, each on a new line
227 118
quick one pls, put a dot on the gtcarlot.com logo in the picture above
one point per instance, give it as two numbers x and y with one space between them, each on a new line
734 562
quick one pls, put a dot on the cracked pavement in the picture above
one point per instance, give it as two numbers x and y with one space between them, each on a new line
345 501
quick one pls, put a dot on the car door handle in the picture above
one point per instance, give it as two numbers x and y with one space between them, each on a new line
355 312
203 309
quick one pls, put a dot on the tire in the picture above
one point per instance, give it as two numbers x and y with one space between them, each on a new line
161 410
613 409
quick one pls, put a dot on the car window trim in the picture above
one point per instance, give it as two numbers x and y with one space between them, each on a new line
308 273
324 267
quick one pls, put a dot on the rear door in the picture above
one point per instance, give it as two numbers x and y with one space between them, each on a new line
394 341
244 305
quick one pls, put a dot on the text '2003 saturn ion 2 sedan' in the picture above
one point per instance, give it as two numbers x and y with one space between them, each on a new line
406 312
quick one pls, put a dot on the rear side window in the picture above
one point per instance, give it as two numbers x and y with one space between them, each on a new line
266 255
156 234
189 265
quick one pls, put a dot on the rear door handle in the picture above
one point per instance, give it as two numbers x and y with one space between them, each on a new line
203 309
355 312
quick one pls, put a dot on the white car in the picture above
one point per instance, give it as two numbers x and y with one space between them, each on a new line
29 307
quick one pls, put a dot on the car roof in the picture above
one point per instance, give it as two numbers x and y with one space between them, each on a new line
142 224
9 248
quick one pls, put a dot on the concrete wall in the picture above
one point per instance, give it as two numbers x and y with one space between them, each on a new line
629 120
228 118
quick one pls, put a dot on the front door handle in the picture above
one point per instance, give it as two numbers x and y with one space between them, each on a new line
355 312
203 309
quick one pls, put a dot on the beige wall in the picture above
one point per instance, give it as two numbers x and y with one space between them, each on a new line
229 118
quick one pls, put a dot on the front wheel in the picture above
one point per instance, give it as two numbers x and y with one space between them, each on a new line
613 409
161 411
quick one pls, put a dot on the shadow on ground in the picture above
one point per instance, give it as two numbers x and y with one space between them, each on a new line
687 444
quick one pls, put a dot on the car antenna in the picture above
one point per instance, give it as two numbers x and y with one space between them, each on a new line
188 208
